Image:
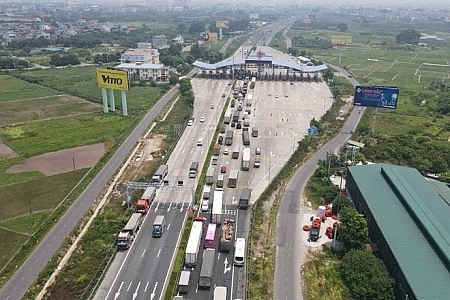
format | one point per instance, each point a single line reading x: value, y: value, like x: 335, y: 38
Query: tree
x: 353, y: 230
x: 339, y: 203
x: 409, y: 36
x: 366, y: 276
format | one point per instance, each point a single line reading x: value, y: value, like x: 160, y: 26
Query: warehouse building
x: 409, y: 226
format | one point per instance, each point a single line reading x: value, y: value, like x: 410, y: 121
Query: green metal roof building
x: 409, y: 226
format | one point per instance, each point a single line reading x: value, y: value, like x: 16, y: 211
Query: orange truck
x: 143, y: 203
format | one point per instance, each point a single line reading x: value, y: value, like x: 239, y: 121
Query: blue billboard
x: 376, y: 96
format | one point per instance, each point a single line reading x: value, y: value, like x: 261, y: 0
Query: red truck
x: 143, y: 203
x: 314, y: 233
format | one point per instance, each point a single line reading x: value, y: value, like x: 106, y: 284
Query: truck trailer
x: 245, y: 138
x: 244, y: 199
x: 128, y: 233
x: 229, y: 138
x: 216, y: 216
x: 206, y: 272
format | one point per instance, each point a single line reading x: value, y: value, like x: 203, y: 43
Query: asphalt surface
x: 25, y: 275
x: 292, y: 248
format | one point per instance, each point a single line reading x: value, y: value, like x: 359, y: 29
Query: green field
x: 14, y: 89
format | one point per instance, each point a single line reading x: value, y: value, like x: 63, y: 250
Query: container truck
x: 246, y: 159
x: 217, y: 206
x: 127, y: 234
x: 244, y: 199
x: 232, y: 179
x: 226, y: 235
x: 143, y: 204
x: 193, y: 244
x: 160, y: 174
x: 206, y: 272
x: 193, y: 169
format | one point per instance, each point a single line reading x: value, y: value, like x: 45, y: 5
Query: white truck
x: 217, y: 206
x: 227, y: 116
x: 193, y: 169
x: 246, y: 159
x: 210, y: 175
x: 193, y: 244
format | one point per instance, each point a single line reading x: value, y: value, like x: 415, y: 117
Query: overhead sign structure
x: 112, y: 79
x: 376, y: 96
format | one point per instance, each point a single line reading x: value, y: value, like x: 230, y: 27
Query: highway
x: 292, y: 248
x: 25, y: 275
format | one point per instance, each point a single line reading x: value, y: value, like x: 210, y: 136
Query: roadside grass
x: 35, y: 195
x: 25, y: 223
x: 10, y: 243
x: 84, y: 270
x: 322, y: 277
x: 12, y: 88
x: 25, y: 111
x: 52, y: 135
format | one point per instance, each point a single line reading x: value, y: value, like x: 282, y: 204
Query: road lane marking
x: 118, y: 291
x: 168, y: 226
x: 129, y: 286
x: 143, y: 253
x: 153, y: 293
x: 146, y: 286
x: 137, y: 289
x: 159, y: 252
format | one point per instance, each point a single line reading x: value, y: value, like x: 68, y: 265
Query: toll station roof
x: 260, y: 59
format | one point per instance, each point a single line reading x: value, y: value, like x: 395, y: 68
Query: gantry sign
x: 109, y: 80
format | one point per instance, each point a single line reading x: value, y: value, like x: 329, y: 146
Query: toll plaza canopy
x: 259, y: 60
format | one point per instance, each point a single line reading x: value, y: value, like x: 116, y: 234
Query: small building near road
x: 409, y: 226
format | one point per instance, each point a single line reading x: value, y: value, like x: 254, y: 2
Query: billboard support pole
x: 374, y: 120
x: 105, y: 100
x: 112, y: 104
x: 124, y: 103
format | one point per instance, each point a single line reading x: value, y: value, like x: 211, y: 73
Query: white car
x: 226, y: 151
x: 202, y: 119
x: 276, y: 96
x: 205, y: 205
x: 190, y: 122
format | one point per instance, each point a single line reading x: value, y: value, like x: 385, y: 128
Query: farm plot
x: 12, y: 88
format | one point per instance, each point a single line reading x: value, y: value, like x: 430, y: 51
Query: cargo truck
x: 236, y: 116
x: 183, y: 283
x: 227, y: 116
x: 246, y: 159
x: 193, y: 244
x: 158, y: 226
x: 254, y: 132
x: 220, y: 180
x: 314, y: 232
x: 229, y: 138
x: 249, y: 99
x: 143, y: 204
x: 206, y: 272
x: 246, y: 122
x: 193, y: 169
x: 245, y: 138
x: 226, y: 235
x: 127, y: 234
x: 160, y: 174
x: 210, y: 175
x: 216, y: 216
x: 220, y: 293
x: 235, y: 153
x: 232, y: 179
x: 244, y: 199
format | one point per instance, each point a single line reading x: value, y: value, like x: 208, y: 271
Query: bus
x: 239, y: 252
x: 210, y: 238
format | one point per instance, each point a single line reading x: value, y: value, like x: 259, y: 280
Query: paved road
x: 291, y: 249
x: 27, y: 273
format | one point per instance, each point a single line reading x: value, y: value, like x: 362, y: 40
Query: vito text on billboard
x: 112, y: 79
x: 376, y: 96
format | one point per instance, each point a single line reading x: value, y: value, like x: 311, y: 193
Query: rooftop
x: 414, y: 218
